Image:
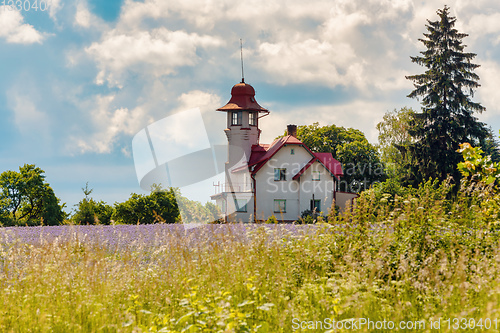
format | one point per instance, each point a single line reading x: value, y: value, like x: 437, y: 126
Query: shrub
x: 272, y: 219
x: 159, y: 206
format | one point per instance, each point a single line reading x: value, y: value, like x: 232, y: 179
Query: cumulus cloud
x: 207, y: 103
x: 83, y: 17
x: 356, y: 45
x: 14, y: 30
x: 157, y: 52
x: 348, y: 43
x: 109, y: 125
x: 487, y: 94
x: 361, y: 114
x: 353, y: 45
x: 54, y: 6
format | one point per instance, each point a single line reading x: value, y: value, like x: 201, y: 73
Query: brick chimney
x: 291, y: 130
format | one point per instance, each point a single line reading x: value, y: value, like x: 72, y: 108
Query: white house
x: 283, y: 178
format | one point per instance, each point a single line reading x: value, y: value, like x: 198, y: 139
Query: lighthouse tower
x: 243, y: 113
x: 236, y: 196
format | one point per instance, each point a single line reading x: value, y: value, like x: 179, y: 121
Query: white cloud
x: 363, y: 46
x: 109, y: 125
x: 487, y: 94
x: 353, y: 45
x: 484, y: 24
x: 157, y: 52
x: 54, y: 6
x: 28, y: 119
x: 14, y: 30
x: 207, y: 102
x: 362, y: 114
x: 311, y: 61
x: 133, y: 12
x: 346, y: 42
x: 83, y: 17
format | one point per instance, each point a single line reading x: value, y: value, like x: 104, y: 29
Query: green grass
x: 416, y: 258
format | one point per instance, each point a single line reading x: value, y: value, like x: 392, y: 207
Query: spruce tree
x: 447, y: 88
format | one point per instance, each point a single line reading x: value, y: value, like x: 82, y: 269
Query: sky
x: 78, y: 79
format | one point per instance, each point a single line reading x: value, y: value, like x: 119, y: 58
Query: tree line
x: 27, y: 199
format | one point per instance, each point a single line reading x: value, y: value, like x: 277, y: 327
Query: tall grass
x: 419, y: 257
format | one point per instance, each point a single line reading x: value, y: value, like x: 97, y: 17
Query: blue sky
x: 81, y: 78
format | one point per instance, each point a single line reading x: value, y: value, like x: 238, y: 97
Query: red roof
x: 257, y: 152
x: 327, y: 160
x: 261, y: 159
x: 242, y: 98
x: 261, y: 154
x: 330, y: 163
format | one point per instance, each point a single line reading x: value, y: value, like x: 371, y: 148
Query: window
x: 315, y: 175
x: 236, y: 118
x: 241, y: 205
x: 253, y: 119
x: 279, y: 205
x: 279, y: 174
x: 316, y: 205
x: 292, y: 151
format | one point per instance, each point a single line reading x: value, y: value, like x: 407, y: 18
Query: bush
x: 310, y: 216
x: 157, y: 207
x: 93, y: 212
x: 272, y: 220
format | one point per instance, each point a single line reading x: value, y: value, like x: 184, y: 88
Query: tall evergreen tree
x: 447, y: 88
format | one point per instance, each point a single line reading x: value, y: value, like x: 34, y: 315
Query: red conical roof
x: 242, y: 98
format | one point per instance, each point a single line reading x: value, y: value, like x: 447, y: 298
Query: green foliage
x: 480, y: 183
x: 26, y: 198
x: 90, y: 211
x: 215, y: 312
x: 447, y: 118
x: 93, y: 212
x: 491, y: 146
x: 158, y: 207
x: 393, y: 136
x: 476, y: 167
x: 388, y: 189
x: 401, y: 254
x: 360, y: 161
x: 272, y: 220
x: 408, y: 254
x: 194, y: 212
x: 310, y: 216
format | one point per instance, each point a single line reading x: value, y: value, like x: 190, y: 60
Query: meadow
x: 415, y: 258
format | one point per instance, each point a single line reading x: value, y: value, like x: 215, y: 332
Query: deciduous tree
x: 26, y: 197
x: 393, y: 135
x: 360, y: 160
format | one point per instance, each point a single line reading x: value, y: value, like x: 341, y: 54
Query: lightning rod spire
x: 242, y: 73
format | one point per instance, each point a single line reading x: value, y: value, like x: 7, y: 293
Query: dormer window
x: 236, y: 118
x: 253, y: 119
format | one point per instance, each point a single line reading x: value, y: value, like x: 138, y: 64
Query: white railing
x: 234, y: 187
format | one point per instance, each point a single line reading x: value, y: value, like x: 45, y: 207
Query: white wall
x: 345, y: 200
x: 322, y: 189
x: 268, y: 189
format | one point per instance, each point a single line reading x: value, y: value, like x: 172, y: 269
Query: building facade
x: 284, y: 178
